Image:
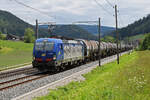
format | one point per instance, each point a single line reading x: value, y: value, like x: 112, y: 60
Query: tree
x: 29, y: 35
x: 2, y: 36
x: 146, y: 43
x: 108, y: 39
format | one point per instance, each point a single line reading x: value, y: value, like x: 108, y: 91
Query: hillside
x: 9, y: 23
x: 70, y: 31
x: 94, y: 29
x: 139, y: 27
x: 73, y: 31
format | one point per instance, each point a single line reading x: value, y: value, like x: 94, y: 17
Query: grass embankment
x: 137, y: 37
x: 14, y: 53
x: 128, y: 81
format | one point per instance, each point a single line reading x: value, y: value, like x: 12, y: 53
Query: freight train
x: 54, y: 54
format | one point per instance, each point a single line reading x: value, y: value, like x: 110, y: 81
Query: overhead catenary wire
x: 110, y: 3
x: 121, y: 21
x: 23, y: 4
x: 100, y: 5
x: 122, y: 24
x: 120, y: 15
x: 85, y: 22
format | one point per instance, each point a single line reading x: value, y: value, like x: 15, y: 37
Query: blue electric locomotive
x: 52, y: 54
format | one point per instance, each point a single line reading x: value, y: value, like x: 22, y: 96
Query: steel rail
x: 20, y: 83
x: 16, y: 72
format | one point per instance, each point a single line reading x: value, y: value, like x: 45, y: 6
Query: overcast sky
x: 68, y: 11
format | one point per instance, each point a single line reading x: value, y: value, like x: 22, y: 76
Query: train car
x: 87, y: 49
x: 94, y: 50
x: 73, y: 52
x: 50, y: 54
x: 122, y: 47
x: 90, y: 49
x: 55, y: 54
x: 110, y: 47
x: 104, y: 50
x: 114, y: 46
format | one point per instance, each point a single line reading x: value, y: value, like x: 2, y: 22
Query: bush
x: 29, y: 36
x: 0, y: 47
x: 146, y: 43
x: 2, y: 37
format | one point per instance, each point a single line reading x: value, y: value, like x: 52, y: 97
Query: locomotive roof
x: 49, y: 40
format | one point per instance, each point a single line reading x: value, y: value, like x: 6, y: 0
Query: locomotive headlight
x: 54, y: 57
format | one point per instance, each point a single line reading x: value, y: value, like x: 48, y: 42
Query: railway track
x: 22, y: 80
x: 17, y: 72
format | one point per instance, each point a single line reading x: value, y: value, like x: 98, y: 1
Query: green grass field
x: 14, y: 53
x: 128, y: 81
x: 137, y: 37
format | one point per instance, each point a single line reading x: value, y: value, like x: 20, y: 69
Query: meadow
x: 130, y: 80
x: 137, y: 37
x: 14, y: 53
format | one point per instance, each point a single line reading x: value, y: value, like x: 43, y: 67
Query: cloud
x: 68, y: 11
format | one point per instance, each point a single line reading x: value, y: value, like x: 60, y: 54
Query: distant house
x: 12, y: 37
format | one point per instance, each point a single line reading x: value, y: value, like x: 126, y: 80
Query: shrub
x: 29, y: 35
x: 146, y: 43
x: 2, y: 37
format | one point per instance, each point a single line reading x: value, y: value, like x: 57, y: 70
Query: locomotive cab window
x: 49, y: 46
x: 39, y: 46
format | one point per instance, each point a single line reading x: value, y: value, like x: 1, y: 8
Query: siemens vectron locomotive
x: 54, y: 54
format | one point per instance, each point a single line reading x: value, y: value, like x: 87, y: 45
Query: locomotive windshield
x: 41, y: 46
x: 49, y: 46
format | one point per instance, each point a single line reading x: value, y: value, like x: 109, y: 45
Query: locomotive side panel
x: 73, y: 50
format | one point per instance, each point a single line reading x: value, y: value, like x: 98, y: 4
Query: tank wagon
x: 54, y: 54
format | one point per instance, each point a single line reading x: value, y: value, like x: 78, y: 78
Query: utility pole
x: 117, y: 34
x: 99, y: 38
x: 120, y: 46
x: 49, y: 30
x: 36, y: 35
x: 51, y: 26
x: 128, y: 38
